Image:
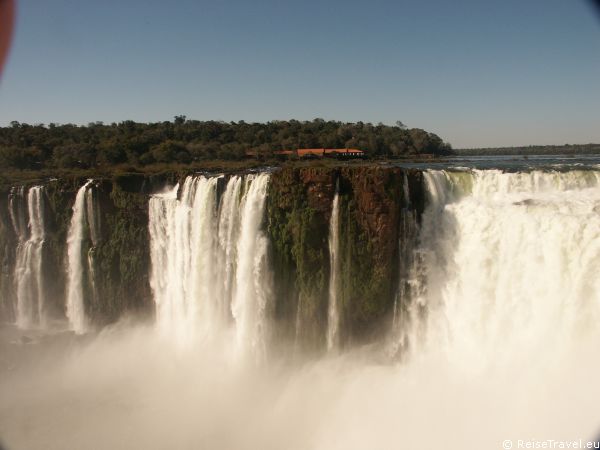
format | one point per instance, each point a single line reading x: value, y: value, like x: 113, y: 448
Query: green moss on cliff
x: 298, y: 208
x: 298, y: 214
x: 370, y: 199
x: 6, y: 263
x: 121, y: 258
x: 60, y: 196
x: 122, y: 255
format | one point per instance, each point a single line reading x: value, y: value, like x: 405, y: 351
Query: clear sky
x: 476, y: 72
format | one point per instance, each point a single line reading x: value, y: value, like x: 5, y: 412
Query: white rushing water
x: 333, y: 317
x: 92, y: 210
x: 228, y: 234
x: 409, y: 301
x: 253, y: 283
x: 512, y: 264
x: 77, y: 234
x: 17, y: 210
x: 182, y: 244
x: 27, y: 217
x: 496, y: 321
x: 209, y: 260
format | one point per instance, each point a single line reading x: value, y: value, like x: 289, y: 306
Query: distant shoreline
x: 567, y: 149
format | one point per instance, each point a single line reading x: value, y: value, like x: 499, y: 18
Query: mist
x: 493, y: 337
x: 127, y: 387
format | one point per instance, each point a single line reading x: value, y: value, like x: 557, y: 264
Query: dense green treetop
x: 183, y: 141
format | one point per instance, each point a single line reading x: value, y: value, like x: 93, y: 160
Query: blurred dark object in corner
x: 7, y: 17
x: 596, y: 4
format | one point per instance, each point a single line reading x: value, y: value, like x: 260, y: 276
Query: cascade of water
x: 76, y: 236
x: 28, y: 273
x: 209, y: 259
x: 512, y: 262
x: 204, y: 303
x: 92, y: 210
x: 183, y: 235
x: 406, y: 229
x: 17, y: 211
x: 229, y: 229
x: 333, y: 317
x: 253, y: 283
x: 408, y: 302
x: 161, y: 223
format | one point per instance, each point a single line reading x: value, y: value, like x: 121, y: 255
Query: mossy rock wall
x: 7, y: 257
x: 298, y: 212
x: 372, y: 203
x: 120, y: 259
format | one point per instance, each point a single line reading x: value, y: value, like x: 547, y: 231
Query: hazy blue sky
x: 476, y: 72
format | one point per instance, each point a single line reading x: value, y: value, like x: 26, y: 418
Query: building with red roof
x: 322, y: 152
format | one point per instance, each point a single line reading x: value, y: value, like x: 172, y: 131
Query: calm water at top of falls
x: 507, y: 162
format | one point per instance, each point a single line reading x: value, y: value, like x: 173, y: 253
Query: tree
x: 183, y: 141
x: 169, y: 151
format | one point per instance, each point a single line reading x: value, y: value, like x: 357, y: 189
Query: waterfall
x: 92, y: 210
x: 17, y: 210
x: 182, y: 236
x: 228, y: 233
x: 209, y: 260
x: 408, y: 302
x: 253, y: 283
x: 28, y: 222
x: 77, y: 235
x: 333, y: 318
x: 511, y: 264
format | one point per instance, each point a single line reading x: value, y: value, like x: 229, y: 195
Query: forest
x: 183, y: 141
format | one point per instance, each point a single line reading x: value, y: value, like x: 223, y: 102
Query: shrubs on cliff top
x: 34, y: 147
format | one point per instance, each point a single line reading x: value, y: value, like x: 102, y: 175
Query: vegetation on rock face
x: 39, y: 147
x: 59, y: 199
x: 371, y: 207
x: 298, y: 213
x: 370, y: 211
x: 122, y: 256
x: 298, y: 209
x: 6, y: 262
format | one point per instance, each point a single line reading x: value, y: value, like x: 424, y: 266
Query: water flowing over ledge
x: 27, y: 217
x: 315, y: 308
x: 75, y: 307
x: 209, y: 260
x: 319, y: 258
x: 333, y: 316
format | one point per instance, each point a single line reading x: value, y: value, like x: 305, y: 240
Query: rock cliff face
x: 7, y: 257
x: 120, y: 257
x: 298, y: 213
x: 372, y: 203
x: 299, y: 209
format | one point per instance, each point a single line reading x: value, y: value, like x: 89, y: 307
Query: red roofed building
x: 322, y: 152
